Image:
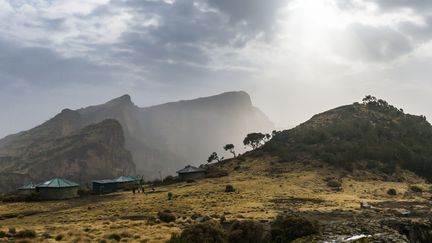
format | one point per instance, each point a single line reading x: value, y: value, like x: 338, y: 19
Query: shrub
x: 12, y: 230
x: 229, y: 188
x: 334, y: 183
x: 114, y: 236
x: 125, y: 235
x: 391, y: 192
x: 2, y: 234
x: 166, y: 216
x: 175, y: 238
x: 207, y: 232
x: 416, y: 189
x: 46, y: 235
x: 286, y: 228
x: 247, y: 231
x: 59, y: 237
x: 170, y: 195
x: 25, y: 234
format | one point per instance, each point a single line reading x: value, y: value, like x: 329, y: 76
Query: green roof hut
x: 126, y: 182
x: 57, y: 188
x: 27, y: 189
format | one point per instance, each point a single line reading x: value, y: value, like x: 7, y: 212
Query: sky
x: 295, y: 58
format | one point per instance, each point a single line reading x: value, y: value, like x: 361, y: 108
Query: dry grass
x: 259, y: 195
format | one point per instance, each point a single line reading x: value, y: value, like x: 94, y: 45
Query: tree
x: 254, y: 140
x: 230, y: 148
x: 268, y: 136
x: 368, y: 99
x: 214, y: 156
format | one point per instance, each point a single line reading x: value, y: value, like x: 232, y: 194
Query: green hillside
x: 372, y: 134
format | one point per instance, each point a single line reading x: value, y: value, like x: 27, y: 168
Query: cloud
x: 184, y: 48
x: 375, y: 44
x: 417, y: 5
x: 43, y: 68
x: 258, y: 16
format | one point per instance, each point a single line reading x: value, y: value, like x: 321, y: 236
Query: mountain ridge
x: 162, y: 137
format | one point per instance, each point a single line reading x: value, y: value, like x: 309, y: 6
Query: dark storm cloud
x: 165, y: 42
x: 176, y: 47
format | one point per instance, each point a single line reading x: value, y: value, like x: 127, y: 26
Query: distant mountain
x: 372, y: 135
x: 161, y: 138
x: 59, y: 148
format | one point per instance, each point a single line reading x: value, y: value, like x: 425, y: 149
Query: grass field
x: 263, y: 189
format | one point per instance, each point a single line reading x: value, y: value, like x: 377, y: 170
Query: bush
x: 416, y: 189
x: 166, y: 216
x: 391, y: 192
x: 286, y: 228
x: 170, y: 195
x: 115, y: 237
x: 125, y: 235
x: 334, y: 183
x: 12, y: 230
x: 2, y: 234
x: 59, y: 237
x: 229, y: 188
x: 207, y: 232
x: 247, y: 231
x: 25, y: 234
x: 46, y: 235
x: 175, y: 238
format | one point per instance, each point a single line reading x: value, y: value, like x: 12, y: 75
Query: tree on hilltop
x: 214, y: 156
x: 256, y: 140
x: 230, y: 148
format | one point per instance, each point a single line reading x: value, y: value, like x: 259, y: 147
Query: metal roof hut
x: 27, y: 189
x: 104, y: 186
x: 191, y: 173
x: 126, y: 182
x: 57, y: 188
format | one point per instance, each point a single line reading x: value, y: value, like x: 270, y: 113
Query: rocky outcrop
x: 94, y: 152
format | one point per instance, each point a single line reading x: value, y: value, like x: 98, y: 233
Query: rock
x: 202, y: 219
x: 364, y: 205
x: 405, y: 212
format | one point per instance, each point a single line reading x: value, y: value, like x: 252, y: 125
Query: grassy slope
x: 261, y: 195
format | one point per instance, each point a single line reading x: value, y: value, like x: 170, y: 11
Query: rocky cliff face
x: 59, y: 149
x: 161, y: 138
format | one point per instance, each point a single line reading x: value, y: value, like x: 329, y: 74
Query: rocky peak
x: 122, y: 100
